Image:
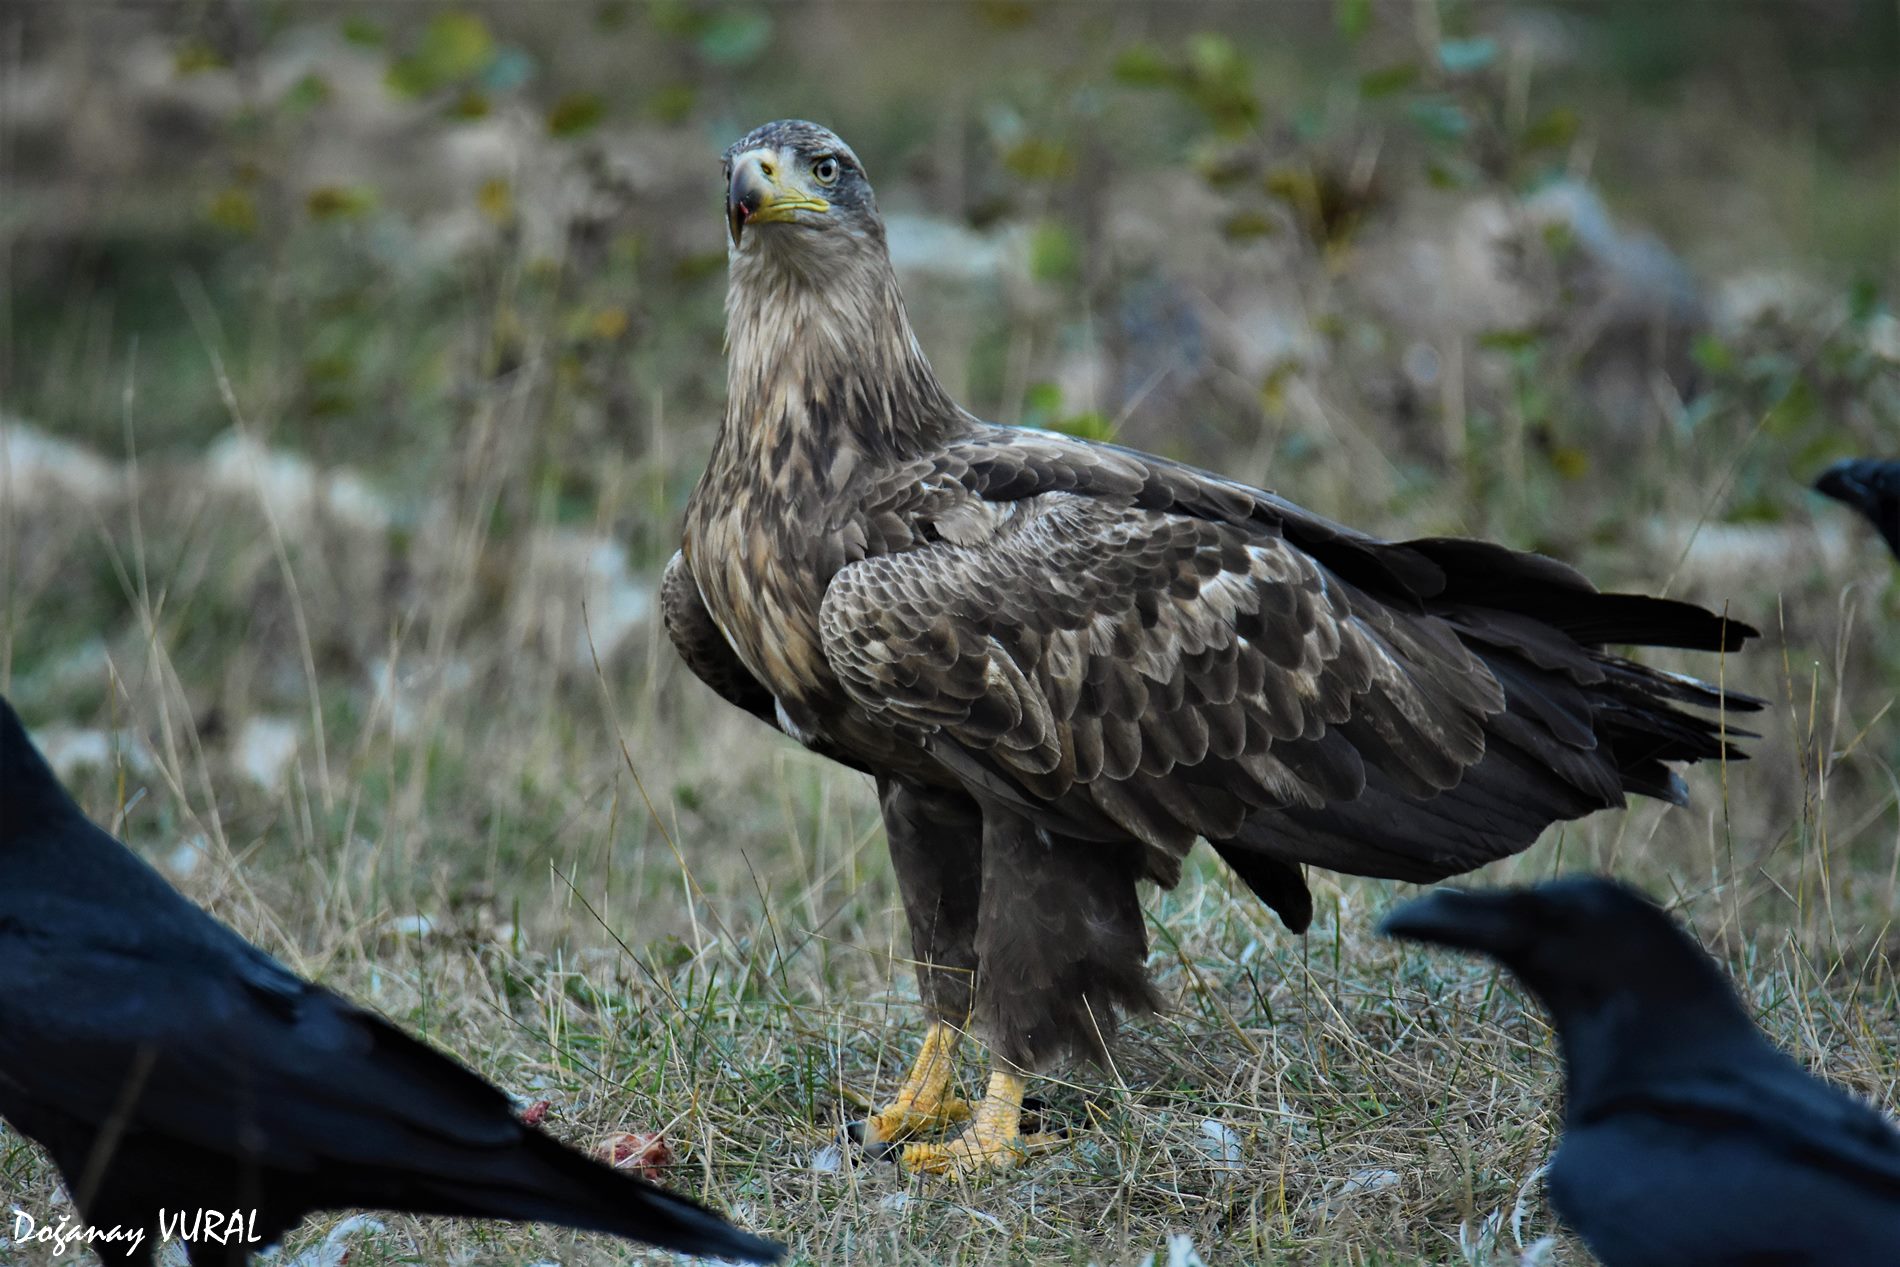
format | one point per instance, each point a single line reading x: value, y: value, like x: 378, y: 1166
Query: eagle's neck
x: 826, y: 389
x: 823, y: 370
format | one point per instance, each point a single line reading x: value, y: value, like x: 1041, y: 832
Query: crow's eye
x: 825, y: 170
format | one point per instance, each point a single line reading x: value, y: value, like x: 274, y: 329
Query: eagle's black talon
x: 857, y: 1148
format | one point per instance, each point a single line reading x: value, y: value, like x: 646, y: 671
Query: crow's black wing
x: 1799, y: 1116
x: 1731, y: 1175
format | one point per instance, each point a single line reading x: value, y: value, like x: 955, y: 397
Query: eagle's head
x: 814, y: 314
x: 798, y: 191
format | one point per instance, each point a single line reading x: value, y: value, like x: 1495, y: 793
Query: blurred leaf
x: 1863, y: 300
x: 338, y: 202
x: 1034, y: 158
x: 194, y: 56
x: 1440, y: 119
x: 1007, y: 15
x: 1296, y: 187
x: 676, y: 17
x: 673, y: 104
x: 330, y: 404
x: 1216, y: 80
x: 1462, y: 57
x: 1552, y: 130
x: 496, y: 198
x: 1214, y: 57
x: 1273, y: 387
x: 1515, y: 341
x: 613, y: 14
x: 1353, y: 17
x: 1054, y: 254
x: 363, y: 32
x: 609, y: 323
x: 329, y: 369
x: 306, y: 94
x: 736, y: 36
x: 1389, y: 80
x: 233, y: 209
x: 1559, y: 238
x: 1244, y: 226
x: 470, y: 105
x: 1794, y: 411
x: 1085, y: 426
x: 1223, y: 167
x: 1143, y: 66
x: 576, y: 113
x: 1221, y: 84
x: 1712, y: 354
x: 1570, y: 461
x: 454, y: 46
x: 697, y: 267
x: 1042, y: 400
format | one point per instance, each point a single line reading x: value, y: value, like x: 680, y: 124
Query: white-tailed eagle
x: 1066, y: 662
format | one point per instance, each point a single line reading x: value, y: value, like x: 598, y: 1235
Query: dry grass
x: 511, y: 822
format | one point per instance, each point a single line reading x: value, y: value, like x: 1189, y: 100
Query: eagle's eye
x: 825, y: 170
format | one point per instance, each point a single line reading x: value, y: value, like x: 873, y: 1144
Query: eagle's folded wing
x: 707, y: 653
x: 1171, y: 673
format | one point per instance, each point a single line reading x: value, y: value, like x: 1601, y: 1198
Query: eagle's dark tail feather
x: 1582, y: 728
x: 1486, y: 576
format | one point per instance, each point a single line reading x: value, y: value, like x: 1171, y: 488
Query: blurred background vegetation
x: 1605, y: 279
x: 356, y: 359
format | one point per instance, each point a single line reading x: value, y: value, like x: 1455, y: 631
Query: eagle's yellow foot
x: 924, y: 1102
x: 899, y: 1120
x: 992, y: 1141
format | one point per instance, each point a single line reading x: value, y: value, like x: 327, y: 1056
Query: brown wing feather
x: 1176, y: 672
x: 1112, y: 643
x: 707, y: 653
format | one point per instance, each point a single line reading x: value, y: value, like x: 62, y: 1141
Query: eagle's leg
x: 993, y: 1140
x: 1063, y: 950
x: 936, y: 849
x: 926, y: 1100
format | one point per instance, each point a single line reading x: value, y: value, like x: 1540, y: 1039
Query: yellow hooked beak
x: 761, y: 192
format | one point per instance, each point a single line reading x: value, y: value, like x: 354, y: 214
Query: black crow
x: 1689, y: 1139
x: 167, y: 1064
x: 1870, y: 486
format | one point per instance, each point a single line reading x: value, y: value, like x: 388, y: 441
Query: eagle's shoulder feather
x: 1090, y: 623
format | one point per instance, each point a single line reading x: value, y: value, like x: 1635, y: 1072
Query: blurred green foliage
x: 351, y: 336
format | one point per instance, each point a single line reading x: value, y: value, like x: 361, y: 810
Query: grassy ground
x: 386, y: 369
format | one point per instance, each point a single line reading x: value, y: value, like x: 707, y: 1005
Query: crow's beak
x: 761, y: 191
x: 1495, y: 923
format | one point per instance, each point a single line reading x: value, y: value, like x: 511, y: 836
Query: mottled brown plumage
x: 1065, y: 662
